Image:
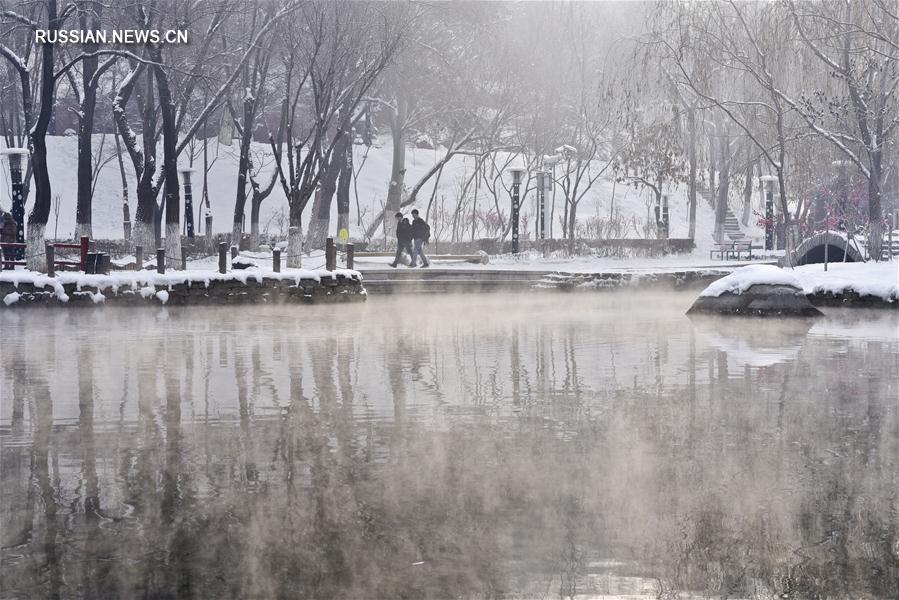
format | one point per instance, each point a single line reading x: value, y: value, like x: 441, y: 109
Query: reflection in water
x: 493, y: 446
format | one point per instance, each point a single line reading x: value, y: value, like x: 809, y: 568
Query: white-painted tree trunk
x: 173, y: 245
x: 789, y: 248
x: 144, y: 236
x: 35, y: 251
x: 294, y: 248
x: 236, y: 233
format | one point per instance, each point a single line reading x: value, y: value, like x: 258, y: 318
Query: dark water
x: 537, y: 446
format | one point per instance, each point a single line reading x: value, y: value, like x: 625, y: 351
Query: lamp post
x: 550, y: 161
x: 188, y: 200
x: 516, y: 185
x: 768, y: 181
x: 544, y: 185
x: 662, y: 216
x: 538, y: 222
x: 564, y: 152
x: 16, y: 160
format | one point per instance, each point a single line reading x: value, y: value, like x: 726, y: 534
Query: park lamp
x: 517, y: 172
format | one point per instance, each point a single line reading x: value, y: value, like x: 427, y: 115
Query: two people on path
x: 411, y: 239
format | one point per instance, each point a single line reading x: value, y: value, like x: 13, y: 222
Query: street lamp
x: 563, y: 152
x: 516, y: 185
x: 16, y: 160
x: 188, y: 200
x: 662, y: 219
x: 768, y: 181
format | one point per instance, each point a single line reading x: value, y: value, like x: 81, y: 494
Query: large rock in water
x: 758, y: 290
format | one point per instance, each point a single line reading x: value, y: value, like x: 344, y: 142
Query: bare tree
x: 342, y: 56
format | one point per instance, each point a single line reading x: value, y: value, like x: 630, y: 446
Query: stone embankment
x: 182, y: 288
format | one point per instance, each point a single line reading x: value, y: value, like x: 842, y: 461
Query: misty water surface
x: 534, y: 446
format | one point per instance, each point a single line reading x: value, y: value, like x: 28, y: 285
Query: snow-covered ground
x: 367, y: 196
x: 880, y: 280
x: 533, y: 261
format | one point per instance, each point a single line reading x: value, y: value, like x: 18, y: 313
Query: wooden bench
x: 732, y: 250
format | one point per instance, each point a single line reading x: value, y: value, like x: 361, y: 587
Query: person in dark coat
x: 403, y: 239
x: 7, y: 234
x: 421, y: 235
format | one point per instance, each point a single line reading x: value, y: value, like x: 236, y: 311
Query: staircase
x: 731, y: 224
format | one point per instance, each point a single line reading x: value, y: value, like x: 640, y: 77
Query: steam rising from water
x: 474, y: 446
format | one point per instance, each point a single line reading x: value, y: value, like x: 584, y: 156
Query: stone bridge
x: 811, y: 251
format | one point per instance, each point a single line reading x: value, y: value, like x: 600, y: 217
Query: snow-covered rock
x: 759, y: 290
x: 744, y: 278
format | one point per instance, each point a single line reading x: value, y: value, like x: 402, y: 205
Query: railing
x: 12, y: 245
x: 83, y: 247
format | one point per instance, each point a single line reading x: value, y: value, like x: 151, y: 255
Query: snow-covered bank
x: 30, y: 287
x: 866, y: 280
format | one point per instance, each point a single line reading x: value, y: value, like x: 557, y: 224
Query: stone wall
x: 342, y: 286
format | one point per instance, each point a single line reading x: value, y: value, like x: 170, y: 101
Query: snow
x: 533, y: 261
x: 11, y: 298
x: 162, y: 296
x: 147, y: 282
x: 879, y: 280
x: 745, y: 277
x: 629, y: 206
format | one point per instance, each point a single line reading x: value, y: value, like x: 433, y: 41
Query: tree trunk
x: 320, y: 220
x: 398, y: 168
x: 240, y: 199
x: 875, y: 216
x: 790, y: 242
x: 146, y: 231
x: 85, y: 138
x: 40, y: 212
x: 691, y: 233
x: 170, y: 170
x: 243, y: 167
x: 572, y: 229
x: 343, y: 195
x: 255, y: 204
x: 723, y: 189
x: 747, y: 189
x: 712, y: 167
x: 295, y: 235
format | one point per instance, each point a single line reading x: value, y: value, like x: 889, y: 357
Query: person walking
x: 403, y: 239
x: 421, y: 235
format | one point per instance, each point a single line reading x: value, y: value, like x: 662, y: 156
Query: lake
x: 542, y: 445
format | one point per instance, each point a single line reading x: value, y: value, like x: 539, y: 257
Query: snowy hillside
x: 604, y: 199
